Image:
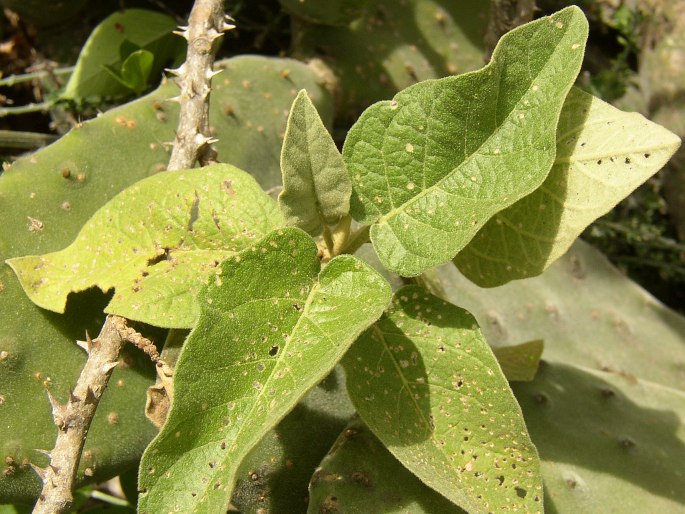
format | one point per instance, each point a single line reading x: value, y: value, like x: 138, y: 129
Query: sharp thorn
x: 90, y: 396
x: 84, y: 345
x: 176, y: 71
x: 39, y: 471
x: 213, y: 73
x: 43, y: 452
x: 73, y: 398
x: 109, y: 366
x: 54, y: 469
x: 58, y: 410
x: 213, y: 34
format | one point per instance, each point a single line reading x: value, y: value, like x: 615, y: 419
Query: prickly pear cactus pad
x: 273, y: 325
x: 156, y: 243
x: 394, y: 46
x: 603, y: 154
x: 609, y: 442
x: 44, y: 200
x: 587, y: 312
x: 418, y: 379
x: 329, y: 12
x: 430, y: 167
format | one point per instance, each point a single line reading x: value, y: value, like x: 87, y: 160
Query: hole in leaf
x: 521, y: 492
x: 157, y: 259
x: 274, y: 350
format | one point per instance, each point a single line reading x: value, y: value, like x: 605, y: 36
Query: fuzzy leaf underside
x: 134, y: 28
x: 272, y: 326
x: 432, y: 166
x: 316, y: 186
x: 155, y: 243
x: 603, y: 154
x: 427, y: 384
x: 520, y: 362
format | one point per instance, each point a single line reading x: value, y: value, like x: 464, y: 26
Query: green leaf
x: 135, y: 71
x: 520, y: 362
x: 148, y: 30
x: 316, y: 186
x: 432, y: 166
x: 272, y: 327
x: 62, y: 186
x: 155, y: 243
x: 603, y: 154
x: 360, y: 475
x: 275, y: 475
x: 427, y: 384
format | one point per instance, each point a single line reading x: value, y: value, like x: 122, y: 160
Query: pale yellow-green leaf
x: 603, y: 154
x: 155, y: 243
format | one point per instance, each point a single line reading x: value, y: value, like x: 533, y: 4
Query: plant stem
x: 328, y: 239
x: 25, y: 109
x: 25, y: 140
x: 28, y: 77
x: 73, y: 418
x: 206, y: 25
x: 356, y: 240
x: 341, y: 234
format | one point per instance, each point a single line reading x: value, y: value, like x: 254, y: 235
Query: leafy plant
x: 496, y: 171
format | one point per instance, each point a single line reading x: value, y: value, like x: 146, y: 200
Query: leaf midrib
x: 397, y: 210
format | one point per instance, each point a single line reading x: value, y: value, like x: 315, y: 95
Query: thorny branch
x: 206, y: 24
x: 73, y: 418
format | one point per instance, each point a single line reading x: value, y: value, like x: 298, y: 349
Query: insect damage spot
x: 165, y: 255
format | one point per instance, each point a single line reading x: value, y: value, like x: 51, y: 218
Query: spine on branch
x: 74, y: 417
x: 206, y: 25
